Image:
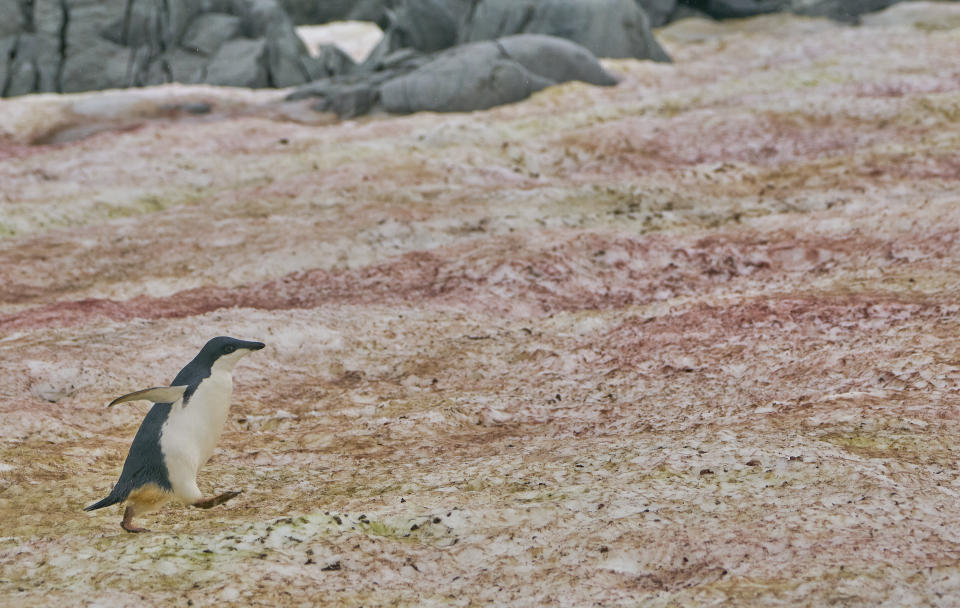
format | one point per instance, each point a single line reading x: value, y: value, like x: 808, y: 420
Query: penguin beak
x: 253, y: 345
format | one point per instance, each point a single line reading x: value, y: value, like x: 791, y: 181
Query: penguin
x: 178, y: 434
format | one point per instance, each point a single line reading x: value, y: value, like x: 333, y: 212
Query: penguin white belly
x: 191, y: 432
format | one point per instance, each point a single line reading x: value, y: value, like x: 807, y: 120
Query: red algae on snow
x: 688, y: 340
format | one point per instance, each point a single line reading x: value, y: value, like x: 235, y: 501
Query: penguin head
x: 223, y: 352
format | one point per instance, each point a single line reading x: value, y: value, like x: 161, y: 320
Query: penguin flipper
x: 157, y: 394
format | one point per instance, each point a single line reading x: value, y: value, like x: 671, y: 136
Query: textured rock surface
x: 82, y: 45
x: 481, y: 75
x: 658, y: 12
x: 472, y: 76
x: 607, y: 28
x: 691, y: 340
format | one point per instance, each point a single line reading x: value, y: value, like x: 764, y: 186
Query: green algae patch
x: 916, y: 448
x: 88, y: 208
x: 144, y: 204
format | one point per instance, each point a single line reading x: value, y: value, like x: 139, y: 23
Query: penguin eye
x: 229, y: 348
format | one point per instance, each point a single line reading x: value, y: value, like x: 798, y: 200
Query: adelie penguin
x: 179, y: 433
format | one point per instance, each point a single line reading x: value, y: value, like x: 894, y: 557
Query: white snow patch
x: 355, y: 38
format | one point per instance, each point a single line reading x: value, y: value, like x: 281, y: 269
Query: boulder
x: 470, y: 77
x: 473, y: 76
x: 481, y: 75
x: 555, y: 59
x: 81, y: 45
x: 207, y: 33
x: 239, y: 63
x: 358, y: 93
x: 422, y: 25
x: 607, y: 28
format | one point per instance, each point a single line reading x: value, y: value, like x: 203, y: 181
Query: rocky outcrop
x: 80, y: 45
x: 608, y: 28
x: 407, y: 72
x: 658, y: 12
x: 472, y: 76
x: 841, y: 10
x: 424, y: 26
x: 481, y: 75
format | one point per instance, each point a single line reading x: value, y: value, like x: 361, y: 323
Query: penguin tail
x: 106, y: 502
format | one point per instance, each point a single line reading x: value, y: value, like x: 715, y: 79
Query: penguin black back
x: 144, y: 463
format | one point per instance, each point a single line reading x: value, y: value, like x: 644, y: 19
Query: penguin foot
x: 208, y: 503
x: 127, y: 519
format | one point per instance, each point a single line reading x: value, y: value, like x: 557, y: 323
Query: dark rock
x: 469, y: 77
x: 842, y: 10
x: 735, y: 9
x: 422, y: 25
x: 401, y: 59
x: 349, y: 101
x: 306, y: 12
x: 207, y: 33
x: 7, y: 44
x: 12, y: 22
x: 607, y: 28
x: 239, y: 63
x: 481, y: 75
x: 101, y: 64
x: 556, y: 59
x: 332, y: 60
x: 80, y: 45
x: 658, y: 12
x: 49, y: 22
x: 186, y: 66
x: 26, y: 49
x: 357, y: 94
x: 685, y: 12
x: 23, y: 74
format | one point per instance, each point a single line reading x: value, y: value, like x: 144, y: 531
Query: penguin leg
x: 219, y: 499
x: 127, y: 523
x: 144, y: 499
